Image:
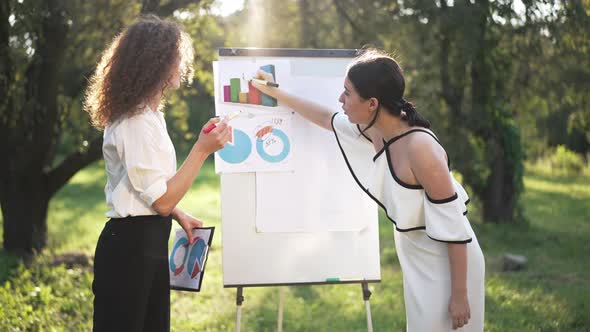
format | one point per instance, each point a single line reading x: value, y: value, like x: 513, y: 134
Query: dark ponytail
x: 375, y: 74
x: 412, y: 116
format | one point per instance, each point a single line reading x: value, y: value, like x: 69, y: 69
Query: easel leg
x: 280, y: 319
x: 239, y: 300
x: 366, y: 297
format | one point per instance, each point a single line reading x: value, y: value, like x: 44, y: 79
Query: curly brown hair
x: 135, y: 67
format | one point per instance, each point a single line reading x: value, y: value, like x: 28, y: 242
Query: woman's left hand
x: 188, y: 223
x: 459, y: 310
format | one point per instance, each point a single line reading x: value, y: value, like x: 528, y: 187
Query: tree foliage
x: 49, y: 50
x: 501, y: 81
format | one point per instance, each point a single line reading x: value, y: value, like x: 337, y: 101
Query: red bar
x: 254, y: 94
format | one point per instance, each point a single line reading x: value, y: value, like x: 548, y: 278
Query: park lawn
x: 549, y: 295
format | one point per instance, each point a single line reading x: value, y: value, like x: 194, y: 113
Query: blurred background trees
x: 501, y: 81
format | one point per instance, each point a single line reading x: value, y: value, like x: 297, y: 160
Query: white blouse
x: 139, y: 160
x: 407, y: 206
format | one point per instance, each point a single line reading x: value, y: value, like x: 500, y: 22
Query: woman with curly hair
x: 125, y: 97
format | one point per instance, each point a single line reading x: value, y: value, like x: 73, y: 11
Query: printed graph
x: 240, y: 90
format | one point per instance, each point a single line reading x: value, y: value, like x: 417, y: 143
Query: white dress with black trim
x: 424, y: 227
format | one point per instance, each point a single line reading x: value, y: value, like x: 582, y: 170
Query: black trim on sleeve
x: 332, y: 120
x: 457, y: 242
x: 363, y: 134
x: 409, y: 229
x: 352, y: 172
x: 381, y: 205
x: 466, y: 209
x: 444, y: 200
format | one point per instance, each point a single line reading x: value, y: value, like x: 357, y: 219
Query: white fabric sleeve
x: 461, y: 192
x: 138, y: 146
x: 445, y: 220
x: 344, y: 128
x: 357, y: 149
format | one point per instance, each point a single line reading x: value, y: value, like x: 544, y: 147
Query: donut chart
x: 238, y: 151
x: 196, y: 258
x: 277, y: 157
x: 181, y: 244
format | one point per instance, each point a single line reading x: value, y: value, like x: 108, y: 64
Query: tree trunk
x: 24, y: 201
x: 500, y: 193
x: 25, y: 192
x: 6, y: 63
x: 308, y: 37
x: 358, y: 33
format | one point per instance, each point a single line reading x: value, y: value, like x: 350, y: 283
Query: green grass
x: 551, y: 294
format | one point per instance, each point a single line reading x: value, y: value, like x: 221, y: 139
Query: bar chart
x: 239, y: 90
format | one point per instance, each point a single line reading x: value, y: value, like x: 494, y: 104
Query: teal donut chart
x: 239, y: 151
x: 196, y: 258
x: 182, y: 243
x: 279, y: 157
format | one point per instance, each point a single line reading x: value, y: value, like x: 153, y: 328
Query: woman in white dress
x: 131, y: 281
x: 397, y: 160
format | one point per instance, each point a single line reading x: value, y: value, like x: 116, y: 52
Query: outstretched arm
x: 318, y: 114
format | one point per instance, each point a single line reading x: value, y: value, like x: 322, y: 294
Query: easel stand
x: 366, y: 297
x: 240, y: 300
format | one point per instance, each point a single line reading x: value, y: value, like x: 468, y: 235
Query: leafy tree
x: 454, y: 60
x: 552, y: 76
x: 484, y: 72
x: 48, y: 48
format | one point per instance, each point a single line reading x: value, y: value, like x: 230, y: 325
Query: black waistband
x: 152, y: 218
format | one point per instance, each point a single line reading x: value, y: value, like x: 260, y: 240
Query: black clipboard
x: 186, y: 263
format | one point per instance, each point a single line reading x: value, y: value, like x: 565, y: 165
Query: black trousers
x: 131, y: 282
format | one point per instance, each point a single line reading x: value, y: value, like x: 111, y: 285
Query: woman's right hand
x: 215, y: 139
x: 459, y: 309
x: 262, y: 75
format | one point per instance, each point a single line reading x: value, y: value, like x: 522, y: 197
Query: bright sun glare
x: 227, y: 7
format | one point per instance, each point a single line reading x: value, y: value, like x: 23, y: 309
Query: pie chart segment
x: 238, y: 151
x: 274, y: 158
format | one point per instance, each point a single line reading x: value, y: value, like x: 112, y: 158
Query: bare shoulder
x: 428, y: 162
x: 422, y: 147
